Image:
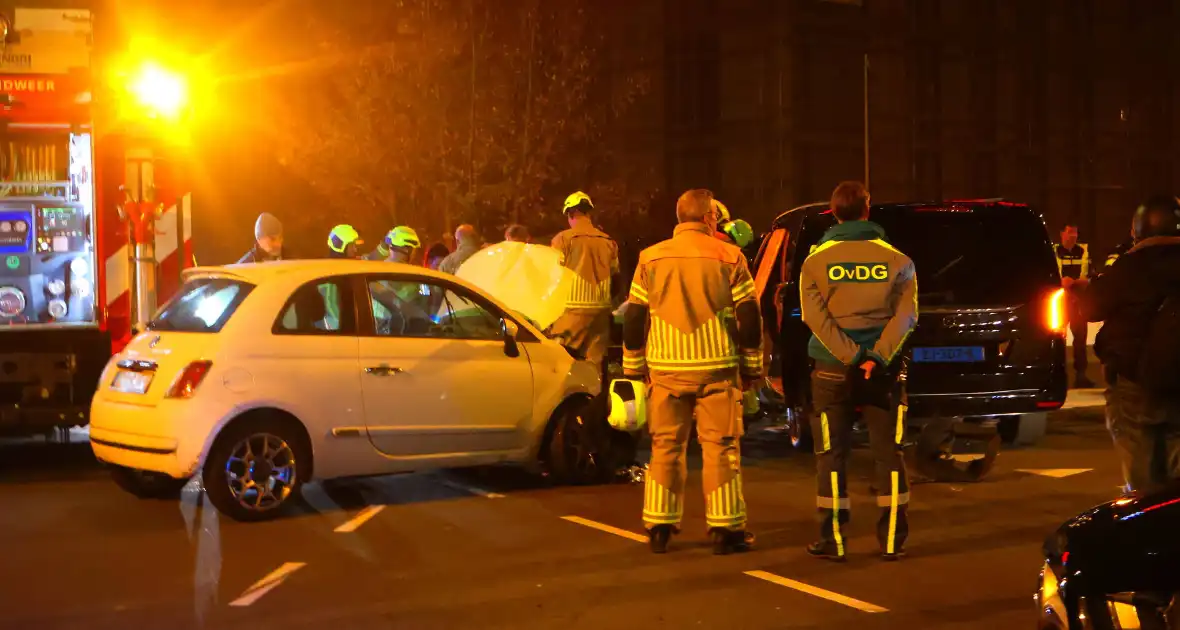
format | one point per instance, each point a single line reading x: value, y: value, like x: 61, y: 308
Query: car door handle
x: 383, y: 370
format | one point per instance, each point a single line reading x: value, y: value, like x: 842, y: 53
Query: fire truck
x: 95, y: 223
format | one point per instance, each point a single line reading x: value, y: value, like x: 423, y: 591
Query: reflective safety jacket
x: 1073, y: 263
x: 692, y: 308
x: 594, y: 258
x: 859, y: 295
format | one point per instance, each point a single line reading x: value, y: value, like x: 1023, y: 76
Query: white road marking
x: 1056, y: 473
x: 606, y: 528
x: 469, y: 489
x: 818, y: 592
x: 359, y: 519
x: 267, y: 584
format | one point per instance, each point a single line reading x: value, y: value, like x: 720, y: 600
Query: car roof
x: 819, y: 207
x: 298, y: 270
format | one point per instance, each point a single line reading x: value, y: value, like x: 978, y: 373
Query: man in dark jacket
x: 1128, y: 298
x: 268, y: 240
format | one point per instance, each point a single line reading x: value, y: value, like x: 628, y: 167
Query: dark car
x: 990, y: 340
x: 1114, y: 566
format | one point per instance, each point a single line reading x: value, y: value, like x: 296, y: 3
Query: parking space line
x: 603, y: 527
x: 455, y: 485
x: 267, y: 584
x: 360, y: 519
x: 816, y: 591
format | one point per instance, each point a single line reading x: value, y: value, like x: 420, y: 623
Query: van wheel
x: 1025, y: 429
x: 580, y: 450
x: 146, y: 484
x: 799, y: 429
x: 256, y: 468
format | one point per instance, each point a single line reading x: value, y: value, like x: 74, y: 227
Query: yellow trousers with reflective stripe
x: 714, y: 400
x: 586, y: 332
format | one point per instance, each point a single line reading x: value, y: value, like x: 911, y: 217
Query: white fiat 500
x: 263, y: 377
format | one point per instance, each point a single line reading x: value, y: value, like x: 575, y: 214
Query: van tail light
x: 190, y: 379
x: 1055, y: 318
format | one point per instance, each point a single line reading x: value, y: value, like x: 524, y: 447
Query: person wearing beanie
x: 268, y: 240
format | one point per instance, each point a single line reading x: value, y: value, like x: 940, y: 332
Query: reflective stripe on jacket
x: 1073, y: 263
x: 594, y: 258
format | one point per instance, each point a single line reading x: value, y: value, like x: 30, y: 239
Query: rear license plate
x: 132, y: 382
x: 949, y: 354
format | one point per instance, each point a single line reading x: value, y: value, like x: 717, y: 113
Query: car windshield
x: 967, y: 257
x: 203, y: 305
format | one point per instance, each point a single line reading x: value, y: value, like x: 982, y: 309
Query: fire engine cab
x: 94, y: 231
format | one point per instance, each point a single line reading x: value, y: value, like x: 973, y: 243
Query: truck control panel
x: 47, y: 256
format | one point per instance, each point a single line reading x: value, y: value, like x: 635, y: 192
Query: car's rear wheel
x: 1025, y: 429
x: 256, y: 468
x: 799, y: 428
x: 580, y: 449
x: 146, y: 484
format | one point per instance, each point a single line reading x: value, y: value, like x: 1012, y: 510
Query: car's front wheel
x: 146, y: 484
x: 581, y: 449
x: 256, y: 468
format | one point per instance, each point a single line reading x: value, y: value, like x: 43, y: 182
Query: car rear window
x: 203, y: 305
x: 996, y: 255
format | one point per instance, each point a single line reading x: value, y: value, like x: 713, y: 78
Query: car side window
x: 317, y: 308
x: 812, y: 231
x: 405, y: 308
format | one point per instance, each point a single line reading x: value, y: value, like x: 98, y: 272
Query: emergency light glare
x: 1055, y: 313
x: 162, y: 92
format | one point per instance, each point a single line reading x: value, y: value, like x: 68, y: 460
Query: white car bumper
x: 141, y: 437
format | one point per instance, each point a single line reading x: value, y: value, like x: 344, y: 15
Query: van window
x: 989, y: 256
x: 203, y: 305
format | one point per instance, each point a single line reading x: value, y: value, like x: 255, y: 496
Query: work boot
x: 658, y: 537
x: 898, y: 554
x: 727, y: 541
x: 1081, y: 382
x: 826, y: 550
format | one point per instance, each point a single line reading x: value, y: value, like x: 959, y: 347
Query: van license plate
x: 949, y: 354
x: 132, y: 382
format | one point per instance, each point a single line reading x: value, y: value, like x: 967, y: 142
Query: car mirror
x: 510, y: 330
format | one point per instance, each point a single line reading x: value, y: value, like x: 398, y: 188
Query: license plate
x: 949, y: 354
x: 132, y: 382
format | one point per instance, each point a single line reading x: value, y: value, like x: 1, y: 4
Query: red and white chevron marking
x: 118, y: 266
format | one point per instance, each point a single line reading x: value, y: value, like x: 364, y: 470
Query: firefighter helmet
x: 628, y: 405
x: 740, y: 231
x: 721, y: 211
x: 578, y: 201
x: 1158, y: 216
x: 402, y: 236
x: 341, y: 237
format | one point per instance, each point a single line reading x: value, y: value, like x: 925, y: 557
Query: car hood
x: 529, y: 279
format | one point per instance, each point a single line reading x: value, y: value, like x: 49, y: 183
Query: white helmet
x: 628, y: 405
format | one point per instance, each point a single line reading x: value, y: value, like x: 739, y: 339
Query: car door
x: 438, y: 380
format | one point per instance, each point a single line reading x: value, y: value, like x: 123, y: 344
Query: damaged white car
x: 264, y: 377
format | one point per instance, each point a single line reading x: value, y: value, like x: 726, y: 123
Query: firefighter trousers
x: 837, y: 392
x: 585, y: 332
x: 715, y: 401
x: 1146, y: 436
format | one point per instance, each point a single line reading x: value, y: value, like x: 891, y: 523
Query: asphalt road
x: 500, y: 549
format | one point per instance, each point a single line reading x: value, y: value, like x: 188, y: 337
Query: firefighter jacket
x: 594, y: 258
x: 859, y: 296
x: 693, y: 308
x: 1073, y: 262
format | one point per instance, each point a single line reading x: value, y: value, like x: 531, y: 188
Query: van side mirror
x: 510, y: 331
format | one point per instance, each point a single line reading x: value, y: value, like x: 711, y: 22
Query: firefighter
x: 1138, y: 301
x: 343, y: 242
x: 398, y: 246
x: 859, y: 297
x: 268, y: 240
x: 1073, y: 261
x: 693, y: 328
x: 593, y: 257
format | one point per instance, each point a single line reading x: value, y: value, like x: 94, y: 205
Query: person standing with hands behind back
x: 860, y: 298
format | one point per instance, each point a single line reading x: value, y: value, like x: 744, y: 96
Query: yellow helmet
x: 721, y: 210
x: 628, y: 405
x: 575, y: 200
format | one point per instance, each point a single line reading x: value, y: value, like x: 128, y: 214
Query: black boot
x: 658, y: 537
x: 826, y: 550
x: 727, y: 541
x: 1081, y: 382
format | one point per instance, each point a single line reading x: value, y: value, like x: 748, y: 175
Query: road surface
x: 501, y: 549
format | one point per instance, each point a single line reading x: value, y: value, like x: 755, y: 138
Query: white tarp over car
x: 528, y: 278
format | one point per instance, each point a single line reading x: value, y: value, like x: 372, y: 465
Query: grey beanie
x: 267, y: 225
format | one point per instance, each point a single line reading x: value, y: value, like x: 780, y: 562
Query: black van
x: 990, y: 341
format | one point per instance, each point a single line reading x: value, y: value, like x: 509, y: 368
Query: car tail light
x: 1055, y: 311
x: 190, y: 379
